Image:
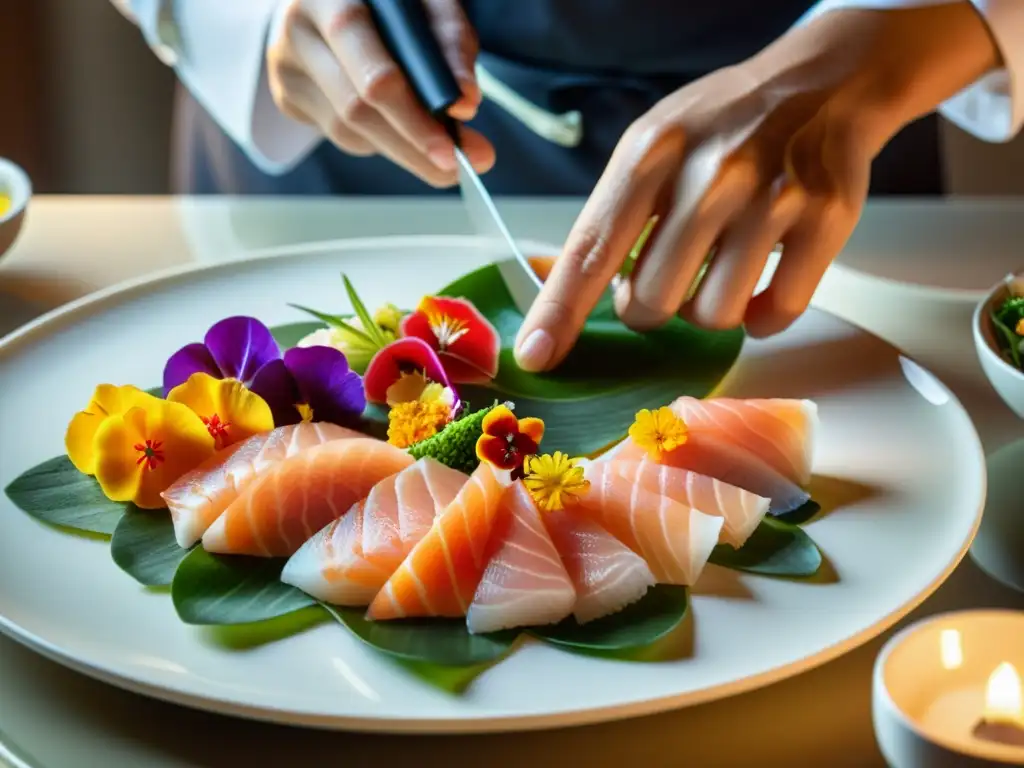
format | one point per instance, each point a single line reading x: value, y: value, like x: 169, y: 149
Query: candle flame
x: 1003, y: 695
x: 950, y: 649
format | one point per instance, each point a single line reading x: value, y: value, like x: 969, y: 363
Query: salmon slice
x: 741, y: 511
x: 200, y: 496
x: 332, y: 567
x: 676, y: 540
x: 441, y: 573
x: 780, y: 432
x: 606, y: 574
x: 525, y: 584
x: 297, y: 497
x: 722, y: 460
x: 401, y: 509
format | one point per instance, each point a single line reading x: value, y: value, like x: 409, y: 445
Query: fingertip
x: 478, y: 149
x: 535, y: 350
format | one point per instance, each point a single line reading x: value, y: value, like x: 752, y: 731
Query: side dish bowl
x: 15, y: 187
x: 1006, y: 378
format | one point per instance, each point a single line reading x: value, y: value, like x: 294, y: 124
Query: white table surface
x: 54, y: 718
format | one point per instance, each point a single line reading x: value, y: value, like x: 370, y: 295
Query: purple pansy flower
x: 311, y: 384
x: 234, y: 348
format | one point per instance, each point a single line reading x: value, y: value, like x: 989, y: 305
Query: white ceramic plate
x: 903, y: 456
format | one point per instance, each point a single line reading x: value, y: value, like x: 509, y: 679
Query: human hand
x: 330, y: 69
x: 775, y: 150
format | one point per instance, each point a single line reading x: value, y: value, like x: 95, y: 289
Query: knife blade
x: 405, y: 30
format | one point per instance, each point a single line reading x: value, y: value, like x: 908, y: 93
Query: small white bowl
x: 15, y: 184
x: 1007, y: 380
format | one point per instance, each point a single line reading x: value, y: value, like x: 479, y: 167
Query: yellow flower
x: 658, y: 432
x: 1020, y: 327
x: 553, y: 479
x: 141, y: 452
x: 107, y: 400
x: 388, y: 318
x: 416, y: 420
x: 230, y: 411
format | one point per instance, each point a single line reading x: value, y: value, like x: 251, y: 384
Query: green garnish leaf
x: 774, y: 549
x: 144, y: 547
x: 1010, y: 340
x: 334, y: 321
x: 365, y: 317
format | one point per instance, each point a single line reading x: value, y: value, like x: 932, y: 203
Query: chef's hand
x: 775, y: 150
x: 330, y: 69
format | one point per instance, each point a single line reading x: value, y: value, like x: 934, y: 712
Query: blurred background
x: 85, y: 107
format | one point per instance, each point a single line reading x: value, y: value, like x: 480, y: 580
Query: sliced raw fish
x: 441, y: 573
x: 297, y: 497
x: 676, y: 540
x: 331, y: 565
x: 606, y: 574
x: 525, y: 583
x: 741, y: 510
x: 200, y: 496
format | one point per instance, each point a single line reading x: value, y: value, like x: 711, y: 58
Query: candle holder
x: 947, y: 692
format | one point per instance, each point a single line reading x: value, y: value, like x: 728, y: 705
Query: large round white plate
x: 897, y: 452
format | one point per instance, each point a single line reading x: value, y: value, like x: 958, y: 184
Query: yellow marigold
x: 553, y: 479
x: 416, y: 420
x: 658, y: 432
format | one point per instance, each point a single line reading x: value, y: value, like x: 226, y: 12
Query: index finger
x: 611, y: 222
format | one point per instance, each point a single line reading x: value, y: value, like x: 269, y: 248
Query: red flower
x: 466, y: 342
x: 507, y: 441
x: 409, y: 357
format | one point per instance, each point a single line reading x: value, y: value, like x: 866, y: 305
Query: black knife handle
x: 405, y: 30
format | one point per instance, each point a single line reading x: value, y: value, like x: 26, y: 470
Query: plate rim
x: 463, y: 724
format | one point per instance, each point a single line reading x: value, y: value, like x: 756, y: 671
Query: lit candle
x: 947, y: 692
x: 5, y: 204
x: 1002, y: 720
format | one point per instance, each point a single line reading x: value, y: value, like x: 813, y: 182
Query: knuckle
x: 584, y: 255
x: 350, y: 14
x: 354, y: 111
x: 381, y: 85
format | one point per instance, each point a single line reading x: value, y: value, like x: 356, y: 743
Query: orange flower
x: 507, y: 441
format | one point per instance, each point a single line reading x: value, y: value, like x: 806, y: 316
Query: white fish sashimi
x: 525, y: 583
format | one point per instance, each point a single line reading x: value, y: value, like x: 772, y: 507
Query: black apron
x: 611, y: 60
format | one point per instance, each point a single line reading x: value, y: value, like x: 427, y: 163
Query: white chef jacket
x: 218, y: 50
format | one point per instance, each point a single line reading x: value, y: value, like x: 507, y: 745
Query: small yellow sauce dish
x: 15, y: 192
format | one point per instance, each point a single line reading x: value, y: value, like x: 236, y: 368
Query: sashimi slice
x: 606, y: 574
x: 741, y: 510
x: 525, y: 583
x: 200, y: 496
x: 708, y: 455
x: 401, y: 509
x: 780, y: 432
x: 676, y: 540
x: 332, y: 567
x: 297, y: 497
x: 441, y: 573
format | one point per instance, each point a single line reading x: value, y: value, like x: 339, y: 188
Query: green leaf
x: 641, y: 624
x: 144, y: 546
x: 58, y: 494
x: 156, y: 392
x: 442, y: 642
x: 232, y: 589
x: 612, y: 372
x: 774, y: 549
x: 339, y: 323
x: 288, y: 336
x: 364, y: 316
x: 1011, y: 342
x: 801, y: 514
x: 638, y: 247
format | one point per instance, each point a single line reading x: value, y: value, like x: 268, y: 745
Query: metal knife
x: 405, y: 30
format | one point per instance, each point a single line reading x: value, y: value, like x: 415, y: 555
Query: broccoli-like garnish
x: 455, y: 445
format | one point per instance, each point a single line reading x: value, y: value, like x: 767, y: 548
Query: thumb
x: 460, y: 46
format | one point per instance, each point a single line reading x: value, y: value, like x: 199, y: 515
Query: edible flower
x: 658, y: 432
x: 418, y: 420
x: 141, y: 452
x: 404, y: 371
x: 554, y: 479
x: 311, y: 384
x: 351, y: 336
x: 507, y: 441
x: 235, y: 348
x: 107, y: 400
x: 466, y: 343
x: 230, y: 411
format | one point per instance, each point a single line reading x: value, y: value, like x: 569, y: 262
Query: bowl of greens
x: 999, y: 337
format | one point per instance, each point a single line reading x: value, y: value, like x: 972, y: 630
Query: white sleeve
x: 992, y: 108
x: 218, y: 50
